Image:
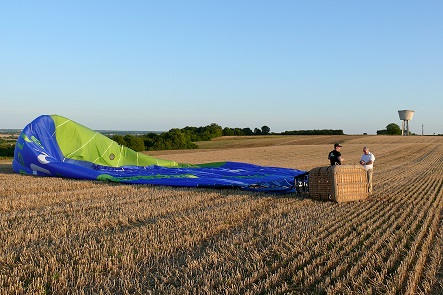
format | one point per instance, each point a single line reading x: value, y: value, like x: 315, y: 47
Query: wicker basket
x: 339, y: 183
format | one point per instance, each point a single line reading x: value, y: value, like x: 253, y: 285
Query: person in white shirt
x: 367, y: 161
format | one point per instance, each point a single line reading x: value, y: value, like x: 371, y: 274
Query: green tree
x: 119, y: 139
x: 135, y: 143
x: 215, y: 130
x: 265, y: 130
x: 393, y: 129
x: 150, y: 139
x: 203, y: 133
x: 247, y: 131
x: 228, y: 131
x: 174, y: 139
x: 194, y: 133
x: 238, y: 131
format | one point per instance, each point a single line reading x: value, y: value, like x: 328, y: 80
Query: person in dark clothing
x: 335, y: 155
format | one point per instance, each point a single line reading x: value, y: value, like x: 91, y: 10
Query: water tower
x: 405, y: 116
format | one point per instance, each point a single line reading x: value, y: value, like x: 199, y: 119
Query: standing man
x: 367, y: 161
x: 335, y: 155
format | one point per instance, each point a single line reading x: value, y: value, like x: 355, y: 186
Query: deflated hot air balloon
x: 56, y: 146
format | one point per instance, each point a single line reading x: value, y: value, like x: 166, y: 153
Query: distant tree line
x: 174, y: 139
x: 391, y: 129
x: 184, y: 138
x: 264, y: 130
x: 314, y: 132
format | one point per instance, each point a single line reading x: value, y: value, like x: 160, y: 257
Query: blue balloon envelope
x: 59, y: 147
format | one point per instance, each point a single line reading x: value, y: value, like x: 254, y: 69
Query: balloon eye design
x: 111, y: 156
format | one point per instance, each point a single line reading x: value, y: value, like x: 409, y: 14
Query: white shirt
x: 368, y: 158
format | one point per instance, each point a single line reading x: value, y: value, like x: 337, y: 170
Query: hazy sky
x: 157, y: 65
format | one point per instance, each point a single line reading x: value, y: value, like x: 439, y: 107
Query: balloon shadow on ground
x: 6, y: 169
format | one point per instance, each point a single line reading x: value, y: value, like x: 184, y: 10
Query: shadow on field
x: 6, y: 169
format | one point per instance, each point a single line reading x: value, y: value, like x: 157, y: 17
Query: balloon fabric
x: 52, y: 145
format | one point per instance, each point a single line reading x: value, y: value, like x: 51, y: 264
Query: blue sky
x: 157, y: 65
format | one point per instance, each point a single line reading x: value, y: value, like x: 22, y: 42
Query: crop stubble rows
x: 68, y: 236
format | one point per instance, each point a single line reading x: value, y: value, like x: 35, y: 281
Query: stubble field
x: 64, y: 236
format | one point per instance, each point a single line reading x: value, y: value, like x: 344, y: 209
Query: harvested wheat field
x: 64, y: 236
